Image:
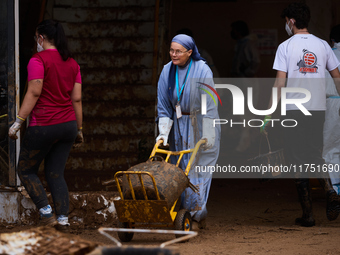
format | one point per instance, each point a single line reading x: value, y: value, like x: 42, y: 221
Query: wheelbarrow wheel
x: 183, y: 221
x: 125, y: 236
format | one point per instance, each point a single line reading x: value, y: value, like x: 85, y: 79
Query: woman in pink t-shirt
x: 53, y: 101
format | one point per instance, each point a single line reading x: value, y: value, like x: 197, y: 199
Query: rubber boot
x: 305, y: 198
x: 332, y: 198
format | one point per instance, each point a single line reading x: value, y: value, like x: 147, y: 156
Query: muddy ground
x: 246, y: 217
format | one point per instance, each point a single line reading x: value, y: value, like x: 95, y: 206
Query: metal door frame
x: 13, y: 84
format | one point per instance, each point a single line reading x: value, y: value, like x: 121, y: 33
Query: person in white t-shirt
x: 303, y: 59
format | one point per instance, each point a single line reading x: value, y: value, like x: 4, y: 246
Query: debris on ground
x: 44, y: 240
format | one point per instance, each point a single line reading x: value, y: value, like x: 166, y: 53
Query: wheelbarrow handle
x: 159, y: 142
x: 180, y: 153
x: 200, y: 142
x: 193, y: 155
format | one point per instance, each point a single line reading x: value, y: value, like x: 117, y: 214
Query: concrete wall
x: 113, y: 43
x: 16, y: 208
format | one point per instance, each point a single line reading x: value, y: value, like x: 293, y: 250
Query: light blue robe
x: 182, y: 135
x: 331, y: 133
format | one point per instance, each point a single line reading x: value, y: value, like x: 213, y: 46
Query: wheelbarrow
x: 150, y: 193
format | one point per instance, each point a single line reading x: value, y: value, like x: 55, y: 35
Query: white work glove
x: 208, y: 131
x: 12, y: 132
x: 164, y: 126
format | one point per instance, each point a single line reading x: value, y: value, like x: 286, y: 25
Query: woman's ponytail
x: 61, y: 42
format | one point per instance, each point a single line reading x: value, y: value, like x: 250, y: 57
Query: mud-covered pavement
x: 245, y: 217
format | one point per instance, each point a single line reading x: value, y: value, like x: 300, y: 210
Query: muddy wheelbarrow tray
x: 146, y: 213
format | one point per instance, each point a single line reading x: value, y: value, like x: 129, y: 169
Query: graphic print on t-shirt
x: 308, y: 63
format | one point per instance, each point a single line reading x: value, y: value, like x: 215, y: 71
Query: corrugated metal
x: 113, y: 43
x: 110, y: 45
x: 121, y: 93
x: 65, y: 14
x: 116, y: 60
x: 105, y: 76
x: 117, y: 144
x: 118, y: 126
x: 99, y: 165
x: 130, y: 109
x: 105, y: 3
x: 109, y: 29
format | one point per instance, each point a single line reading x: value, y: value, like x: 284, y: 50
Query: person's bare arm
x: 336, y: 77
x: 78, y: 109
x: 77, y: 104
x: 280, y: 82
x: 34, y: 89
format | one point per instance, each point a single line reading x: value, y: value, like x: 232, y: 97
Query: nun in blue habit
x: 182, y: 124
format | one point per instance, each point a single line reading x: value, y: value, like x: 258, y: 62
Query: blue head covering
x: 188, y: 43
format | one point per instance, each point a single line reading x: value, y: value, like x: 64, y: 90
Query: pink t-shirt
x: 54, y: 105
x: 35, y: 69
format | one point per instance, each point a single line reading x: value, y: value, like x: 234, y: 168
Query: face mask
x: 288, y: 29
x: 336, y: 45
x: 39, y: 47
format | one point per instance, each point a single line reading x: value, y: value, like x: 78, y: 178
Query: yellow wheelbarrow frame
x: 150, y: 213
